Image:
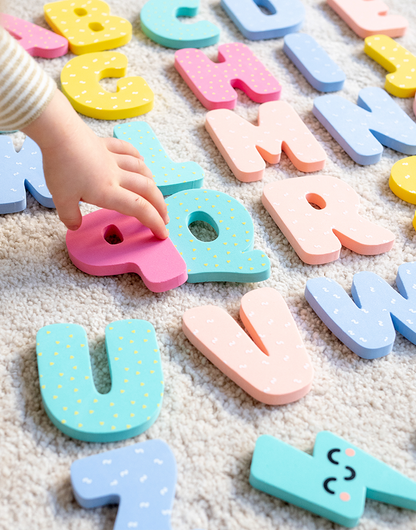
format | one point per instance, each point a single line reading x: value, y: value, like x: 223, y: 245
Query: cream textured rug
x: 209, y: 422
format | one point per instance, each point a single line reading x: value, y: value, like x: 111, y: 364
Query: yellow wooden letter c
x: 80, y: 83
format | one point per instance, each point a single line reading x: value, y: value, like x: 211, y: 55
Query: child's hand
x: 106, y: 172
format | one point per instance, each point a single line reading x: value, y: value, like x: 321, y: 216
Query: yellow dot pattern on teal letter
x: 159, y: 22
x: 68, y: 392
x: 230, y: 257
x: 170, y: 177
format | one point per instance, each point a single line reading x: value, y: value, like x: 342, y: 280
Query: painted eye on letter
x: 352, y: 475
x: 330, y: 453
x: 326, y: 487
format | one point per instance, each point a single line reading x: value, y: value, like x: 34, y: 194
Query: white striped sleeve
x: 25, y: 89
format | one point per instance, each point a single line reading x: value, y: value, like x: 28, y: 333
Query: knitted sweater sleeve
x: 25, y: 89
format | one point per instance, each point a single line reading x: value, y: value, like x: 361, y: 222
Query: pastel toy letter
x: 313, y: 62
x: 213, y: 83
x: 401, y: 82
x: 369, y: 17
x: 37, y: 41
x: 285, y: 16
x: 111, y: 243
x: 363, y: 129
x: 160, y: 23
x: 170, y: 177
x: 367, y: 325
x: 403, y: 181
x: 87, y: 25
x: 317, y: 232
x: 333, y: 482
x: 21, y: 171
x: 141, y: 478
x: 228, y: 258
x: 245, y: 146
x: 68, y: 392
x: 80, y: 79
x: 272, y: 367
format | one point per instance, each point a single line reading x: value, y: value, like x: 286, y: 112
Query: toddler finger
x: 120, y: 147
x: 147, y: 189
x: 128, y: 203
x: 69, y: 213
x: 134, y: 165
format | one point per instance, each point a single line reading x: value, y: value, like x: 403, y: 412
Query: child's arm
x: 25, y: 89
x: 106, y: 172
x: 78, y: 165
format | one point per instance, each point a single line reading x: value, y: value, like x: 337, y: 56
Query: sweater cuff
x: 25, y: 89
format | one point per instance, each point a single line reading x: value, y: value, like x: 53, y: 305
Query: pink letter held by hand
x: 369, y: 17
x: 110, y: 243
x: 37, y: 41
x: 274, y: 369
x: 244, y: 146
x: 316, y: 234
x: 213, y: 84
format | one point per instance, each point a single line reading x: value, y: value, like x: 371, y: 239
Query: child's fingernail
x: 74, y: 227
x: 167, y: 220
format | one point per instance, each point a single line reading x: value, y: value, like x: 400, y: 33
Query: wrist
x: 57, y: 124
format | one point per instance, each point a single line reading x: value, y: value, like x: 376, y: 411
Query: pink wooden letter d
x: 111, y: 243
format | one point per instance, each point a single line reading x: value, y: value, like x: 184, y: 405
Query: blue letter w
x: 367, y: 326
